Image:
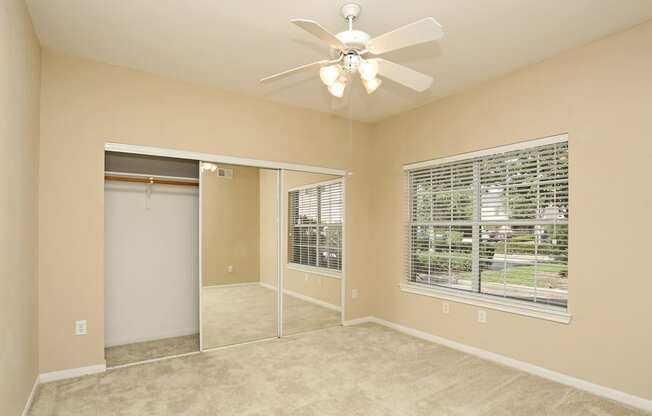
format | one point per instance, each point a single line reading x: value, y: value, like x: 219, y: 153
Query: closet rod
x: 148, y: 179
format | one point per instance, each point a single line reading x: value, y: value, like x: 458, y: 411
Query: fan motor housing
x: 354, y: 39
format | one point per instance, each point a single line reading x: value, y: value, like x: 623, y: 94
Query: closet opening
x: 151, y: 244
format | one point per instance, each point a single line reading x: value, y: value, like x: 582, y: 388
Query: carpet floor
x: 142, y: 351
x: 360, y: 370
x: 237, y: 314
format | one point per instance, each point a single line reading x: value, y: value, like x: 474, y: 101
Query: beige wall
x: 85, y: 104
x: 230, y: 227
x: 19, y: 127
x: 601, y: 95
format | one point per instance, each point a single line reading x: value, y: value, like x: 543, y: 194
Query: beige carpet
x: 237, y: 314
x: 142, y: 351
x: 363, y: 370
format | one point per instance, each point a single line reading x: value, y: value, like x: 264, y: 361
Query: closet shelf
x: 151, y: 180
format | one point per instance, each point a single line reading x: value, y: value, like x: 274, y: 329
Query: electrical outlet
x: 354, y: 293
x: 482, y: 316
x: 305, y: 277
x: 445, y: 307
x: 81, y: 327
x: 229, y: 269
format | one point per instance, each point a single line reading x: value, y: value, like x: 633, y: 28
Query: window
x: 493, y: 223
x: 315, y: 226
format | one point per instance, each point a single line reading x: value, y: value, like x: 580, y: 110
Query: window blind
x: 494, y: 224
x: 315, y: 226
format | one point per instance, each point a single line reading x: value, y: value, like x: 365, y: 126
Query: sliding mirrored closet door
x: 313, y: 207
x: 239, y: 266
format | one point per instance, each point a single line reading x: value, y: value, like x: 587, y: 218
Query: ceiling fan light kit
x: 337, y: 88
x: 353, y: 47
x: 329, y: 74
x: 368, y: 70
x: 371, y: 85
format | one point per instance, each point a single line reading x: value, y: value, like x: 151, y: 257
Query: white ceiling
x: 232, y: 44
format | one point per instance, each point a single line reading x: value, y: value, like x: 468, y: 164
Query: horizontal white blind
x: 315, y: 226
x: 495, y: 224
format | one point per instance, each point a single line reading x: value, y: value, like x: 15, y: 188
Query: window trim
x: 322, y: 271
x: 338, y: 274
x: 550, y: 313
x: 315, y: 184
x: 560, y: 138
x: 525, y: 308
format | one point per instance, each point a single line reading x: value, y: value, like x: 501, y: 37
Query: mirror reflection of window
x: 313, y: 268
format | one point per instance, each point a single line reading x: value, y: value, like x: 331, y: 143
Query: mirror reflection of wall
x: 236, y: 306
x: 312, y: 275
x: 240, y: 252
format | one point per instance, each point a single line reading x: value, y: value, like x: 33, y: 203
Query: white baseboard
x: 30, y: 399
x: 304, y: 298
x: 267, y: 286
x: 358, y: 321
x: 172, y: 334
x: 230, y: 285
x: 71, y: 373
x: 596, y: 389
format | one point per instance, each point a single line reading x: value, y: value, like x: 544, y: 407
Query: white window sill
x: 315, y: 270
x: 489, y: 302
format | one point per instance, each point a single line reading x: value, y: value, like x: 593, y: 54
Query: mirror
x: 239, y: 266
x: 313, y: 207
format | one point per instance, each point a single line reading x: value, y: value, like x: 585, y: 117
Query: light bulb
x: 368, y: 69
x: 337, y: 88
x: 329, y: 74
x: 208, y: 166
x: 371, y: 85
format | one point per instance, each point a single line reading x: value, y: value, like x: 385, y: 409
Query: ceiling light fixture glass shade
x: 205, y: 166
x: 371, y: 85
x: 337, y: 88
x: 368, y: 69
x: 329, y: 74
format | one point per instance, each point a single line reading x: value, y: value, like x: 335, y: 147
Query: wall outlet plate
x: 354, y: 293
x: 482, y: 316
x: 445, y: 307
x: 81, y: 327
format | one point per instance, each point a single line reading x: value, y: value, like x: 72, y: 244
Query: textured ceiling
x: 232, y: 44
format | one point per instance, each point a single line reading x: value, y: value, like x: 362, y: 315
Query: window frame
x: 471, y: 297
x: 324, y: 271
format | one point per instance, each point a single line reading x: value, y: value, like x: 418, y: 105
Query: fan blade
x: 293, y: 70
x: 421, y: 31
x: 404, y: 75
x: 318, y: 30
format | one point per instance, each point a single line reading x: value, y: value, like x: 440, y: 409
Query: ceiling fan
x: 352, y: 50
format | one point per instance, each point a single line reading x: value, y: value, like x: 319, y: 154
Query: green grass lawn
x: 523, y: 275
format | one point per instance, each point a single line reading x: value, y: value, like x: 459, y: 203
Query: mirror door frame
x: 259, y: 163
